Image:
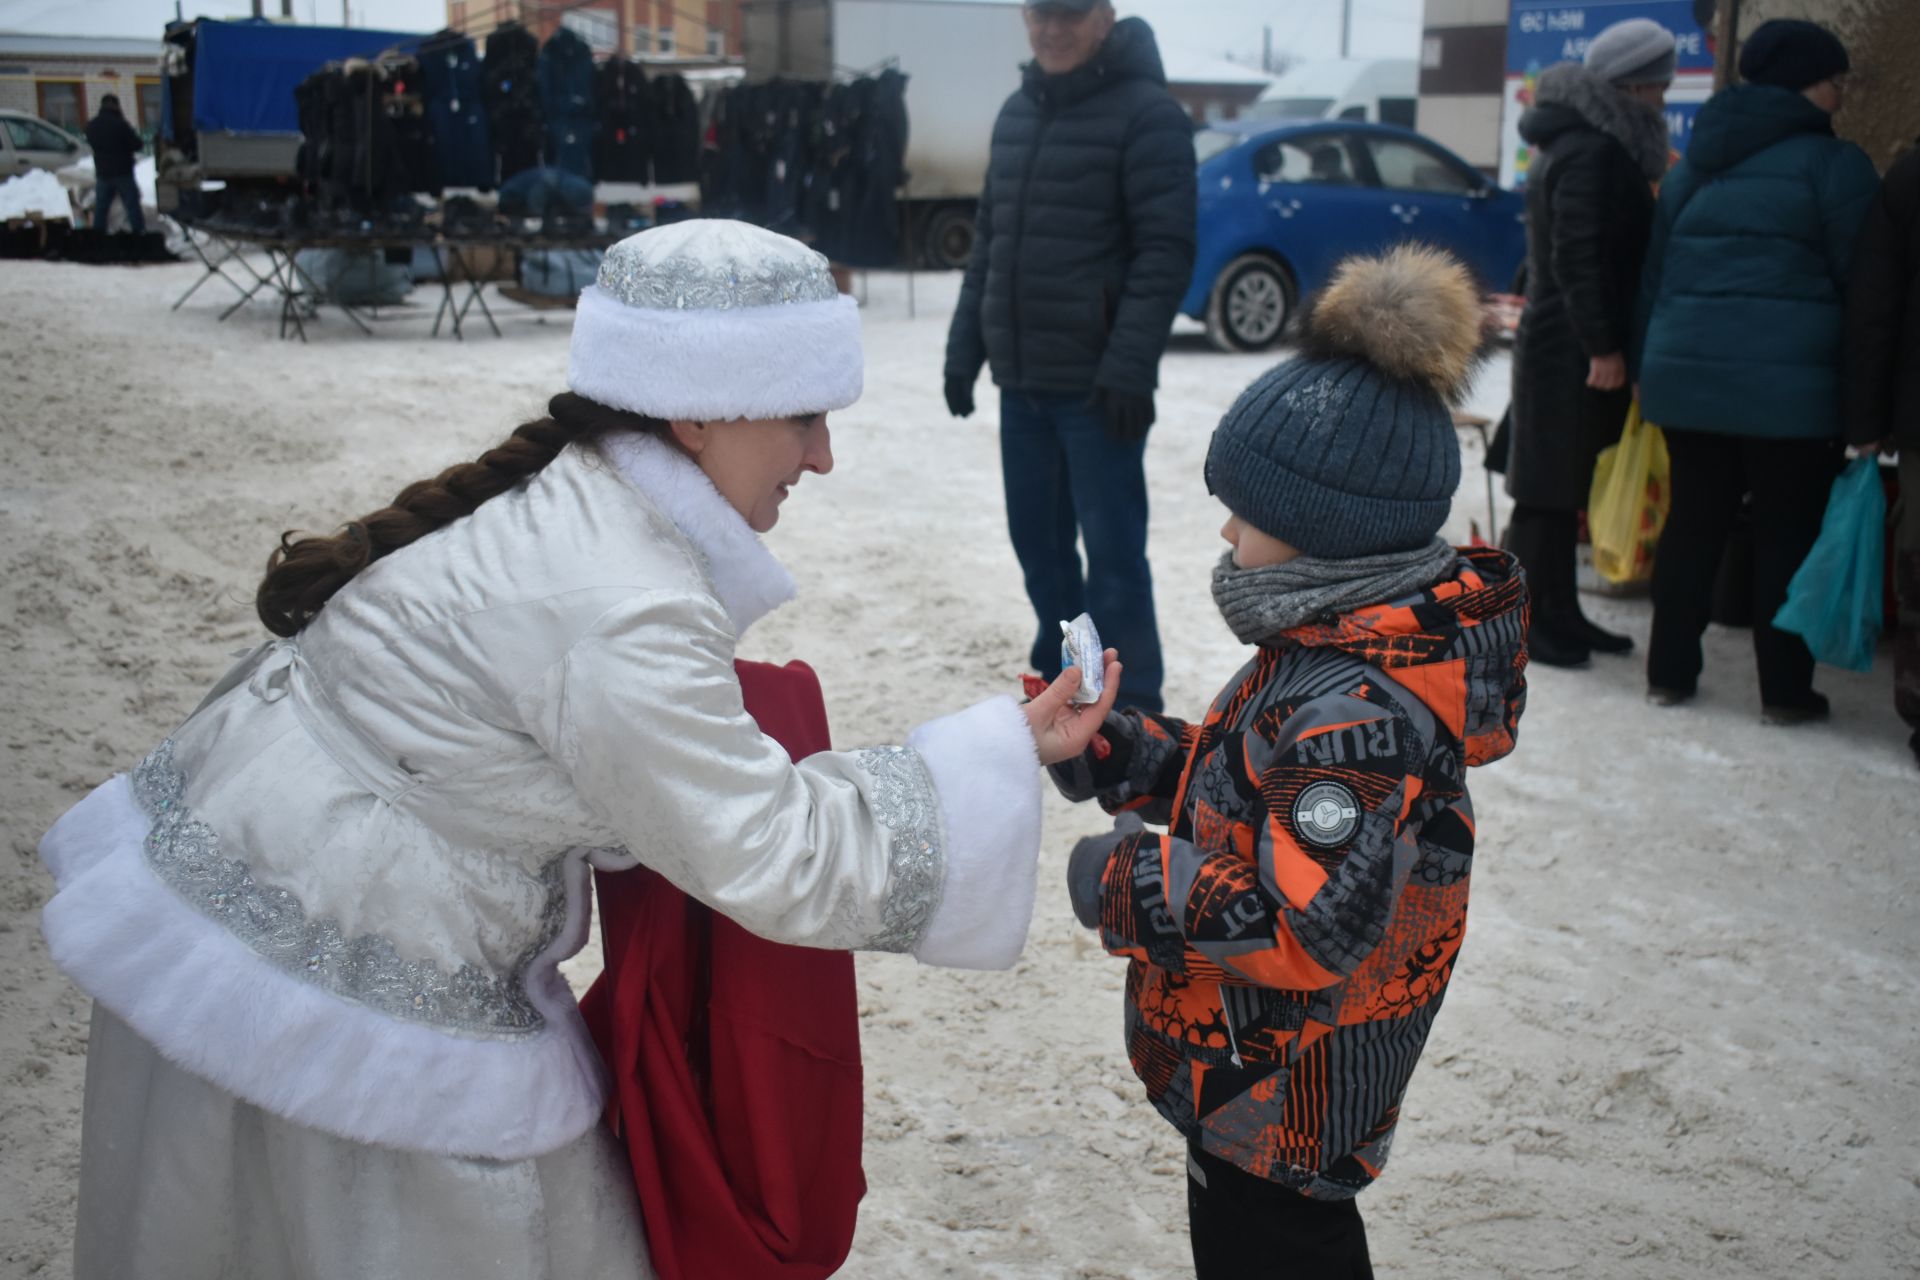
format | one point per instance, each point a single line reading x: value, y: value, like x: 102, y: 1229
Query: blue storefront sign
x: 1541, y: 33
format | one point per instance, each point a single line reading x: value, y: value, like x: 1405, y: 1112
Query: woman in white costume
x: 321, y: 921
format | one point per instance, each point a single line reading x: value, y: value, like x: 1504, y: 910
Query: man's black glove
x: 1088, y: 862
x: 1128, y: 415
x: 960, y: 397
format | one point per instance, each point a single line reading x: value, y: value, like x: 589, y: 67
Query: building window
x: 148, y: 94
x: 716, y: 43
x: 665, y: 42
x: 64, y: 102
x: 600, y: 29
x: 643, y: 39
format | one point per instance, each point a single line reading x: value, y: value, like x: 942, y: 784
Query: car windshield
x: 1208, y: 143
x: 1290, y: 109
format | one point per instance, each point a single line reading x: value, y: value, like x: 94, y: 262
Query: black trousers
x: 1247, y: 1228
x: 1546, y: 541
x: 1789, y: 481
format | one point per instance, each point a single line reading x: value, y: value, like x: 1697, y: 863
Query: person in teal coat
x: 1738, y: 343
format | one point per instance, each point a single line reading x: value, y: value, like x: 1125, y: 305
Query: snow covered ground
x: 1682, y: 1037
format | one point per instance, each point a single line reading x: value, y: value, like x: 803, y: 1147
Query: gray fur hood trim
x: 1570, y: 87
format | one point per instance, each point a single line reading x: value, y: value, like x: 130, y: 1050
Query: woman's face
x: 1253, y: 549
x: 755, y: 464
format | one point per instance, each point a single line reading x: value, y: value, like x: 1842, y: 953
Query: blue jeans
x: 105, y: 189
x: 1068, y: 481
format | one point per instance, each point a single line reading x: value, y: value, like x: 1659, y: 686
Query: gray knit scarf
x: 1261, y: 603
x: 1640, y: 128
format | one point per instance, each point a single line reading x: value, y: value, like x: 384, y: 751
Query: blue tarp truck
x: 228, y: 105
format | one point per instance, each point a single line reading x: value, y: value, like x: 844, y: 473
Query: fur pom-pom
x: 1413, y: 313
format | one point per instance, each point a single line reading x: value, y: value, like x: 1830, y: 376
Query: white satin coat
x: 341, y: 889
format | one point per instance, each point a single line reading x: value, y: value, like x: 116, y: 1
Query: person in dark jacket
x: 115, y: 143
x: 1740, y: 342
x: 1882, y: 390
x: 1085, y: 245
x: 1602, y: 145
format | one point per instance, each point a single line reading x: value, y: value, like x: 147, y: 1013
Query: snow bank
x: 35, y: 194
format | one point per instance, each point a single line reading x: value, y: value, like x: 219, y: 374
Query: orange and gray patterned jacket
x: 1293, y: 932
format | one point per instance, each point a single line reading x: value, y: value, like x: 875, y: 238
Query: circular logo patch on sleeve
x: 1326, y: 815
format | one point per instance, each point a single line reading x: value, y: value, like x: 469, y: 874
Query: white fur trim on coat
x: 748, y: 580
x: 716, y: 366
x: 209, y: 1003
x: 984, y: 767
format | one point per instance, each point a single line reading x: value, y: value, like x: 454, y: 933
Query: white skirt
x: 180, y: 1180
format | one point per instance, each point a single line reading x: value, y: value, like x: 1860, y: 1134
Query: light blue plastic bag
x: 1834, y: 602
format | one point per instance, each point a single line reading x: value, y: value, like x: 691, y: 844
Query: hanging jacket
x: 1589, y: 213
x: 871, y: 236
x: 1882, y: 369
x: 1741, y: 309
x: 456, y: 110
x: 513, y: 99
x: 622, y: 123
x: 676, y: 139
x: 566, y: 79
x: 1293, y: 932
x: 1085, y: 236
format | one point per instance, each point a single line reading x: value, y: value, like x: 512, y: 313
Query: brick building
x: 62, y: 78
x: 692, y: 30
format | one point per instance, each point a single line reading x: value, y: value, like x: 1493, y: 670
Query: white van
x: 1371, y: 90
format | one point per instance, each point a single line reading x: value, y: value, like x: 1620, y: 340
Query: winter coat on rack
x: 1747, y: 271
x: 1882, y: 368
x: 871, y: 236
x: 456, y: 110
x: 513, y: 100
x: 566, y: 79
x: 676, y: 136
x: 622, y: 139
x: 1085, y: 235
x: 341, y: 889
x: 1589, y: 211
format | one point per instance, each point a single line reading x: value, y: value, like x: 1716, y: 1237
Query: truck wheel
x: 949, y: 238
x: 1252, y: 302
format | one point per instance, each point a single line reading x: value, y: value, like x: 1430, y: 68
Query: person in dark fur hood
x: 1602, y: 147
x: 1294, y: 928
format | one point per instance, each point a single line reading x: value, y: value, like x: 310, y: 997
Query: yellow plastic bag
x: 1628, y: 506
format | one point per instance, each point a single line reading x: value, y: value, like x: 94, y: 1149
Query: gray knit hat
x: 1349, y: 450
x: 1637, y: 51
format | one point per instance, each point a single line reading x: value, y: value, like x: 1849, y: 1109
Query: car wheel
x: 949, y: 238
x: 1252, y: 303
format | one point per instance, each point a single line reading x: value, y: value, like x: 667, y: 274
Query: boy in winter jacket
x: 1292, y: 932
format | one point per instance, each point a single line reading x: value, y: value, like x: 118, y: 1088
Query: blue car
x: 1281, y: 205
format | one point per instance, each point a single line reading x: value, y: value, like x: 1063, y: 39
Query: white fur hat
x: 713, y: 321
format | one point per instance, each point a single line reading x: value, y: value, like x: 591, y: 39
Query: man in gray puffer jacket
x: 1085, y: 247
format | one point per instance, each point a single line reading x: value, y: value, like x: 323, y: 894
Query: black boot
x: 1556, y: 638
x: 1598, y: 637
x: 1810, y: 709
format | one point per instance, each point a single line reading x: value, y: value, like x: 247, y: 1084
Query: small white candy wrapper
x: 1080, y: 647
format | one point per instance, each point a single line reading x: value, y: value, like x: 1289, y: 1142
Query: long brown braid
x: 304, y: 572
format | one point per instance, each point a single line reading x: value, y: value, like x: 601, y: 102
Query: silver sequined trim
x: 905, y: 803
x: 185, y: 853
x: 684, y: 284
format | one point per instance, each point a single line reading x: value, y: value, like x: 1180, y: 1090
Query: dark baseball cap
x: 1072, y: 6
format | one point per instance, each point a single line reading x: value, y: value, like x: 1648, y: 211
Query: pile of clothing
x: 822, y: 163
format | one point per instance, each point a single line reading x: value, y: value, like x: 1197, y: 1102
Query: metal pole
x: 1266, y: 52
x: 1346, y: 27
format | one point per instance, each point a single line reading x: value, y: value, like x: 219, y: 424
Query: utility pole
x: 1346, y: 27
x: 1266, y: 53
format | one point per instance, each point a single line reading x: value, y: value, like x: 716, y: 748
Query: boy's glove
x: 1088, y: 862
x: 1128, y: 416
x: 960, y: 397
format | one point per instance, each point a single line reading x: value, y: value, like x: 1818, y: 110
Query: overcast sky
x: 1304, y: 28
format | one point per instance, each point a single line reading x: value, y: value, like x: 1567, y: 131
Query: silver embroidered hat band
x: 714, y: 321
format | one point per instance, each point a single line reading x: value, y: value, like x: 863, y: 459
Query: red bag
x: 735, y: 1061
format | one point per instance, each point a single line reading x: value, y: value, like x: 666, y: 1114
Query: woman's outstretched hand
x: 1062, y: 730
